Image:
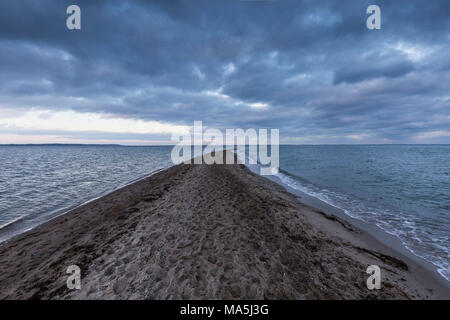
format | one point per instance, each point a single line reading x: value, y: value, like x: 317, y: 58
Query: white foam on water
x: 11, y: 222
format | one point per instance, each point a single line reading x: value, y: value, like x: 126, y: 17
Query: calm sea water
x: 38, y: 182
x: 404, y: 189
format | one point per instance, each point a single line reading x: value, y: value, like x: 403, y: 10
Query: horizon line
x: 169, y: 145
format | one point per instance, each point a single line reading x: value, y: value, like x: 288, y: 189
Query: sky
x: 138, y: 71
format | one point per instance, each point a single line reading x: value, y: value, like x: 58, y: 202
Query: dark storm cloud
x: 373, y: 67
x: 322, y: 75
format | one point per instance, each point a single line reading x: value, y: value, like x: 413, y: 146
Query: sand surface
x: 203, y: 232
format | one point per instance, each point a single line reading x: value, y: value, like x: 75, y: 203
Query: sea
x: 402, y: 189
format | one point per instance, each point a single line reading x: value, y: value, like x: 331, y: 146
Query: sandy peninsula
x: 205, y: 232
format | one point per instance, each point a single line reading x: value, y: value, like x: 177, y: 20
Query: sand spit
x: 203, y: 232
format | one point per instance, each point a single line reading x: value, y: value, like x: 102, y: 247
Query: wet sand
x: 206, y: 232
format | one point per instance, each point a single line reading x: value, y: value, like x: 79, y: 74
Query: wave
x: 397, y: 224
x: 8, y: 223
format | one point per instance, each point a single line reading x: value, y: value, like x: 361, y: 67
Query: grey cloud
x: 373, y: 67
x: 314, y: 63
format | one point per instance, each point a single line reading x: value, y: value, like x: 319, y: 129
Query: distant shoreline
x: 171, y: 145
x: 57, y: 144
